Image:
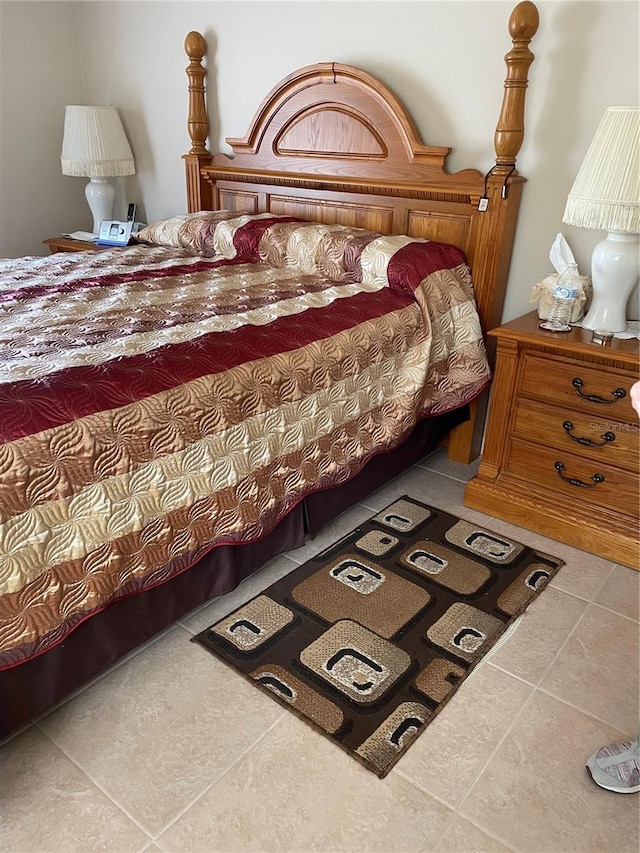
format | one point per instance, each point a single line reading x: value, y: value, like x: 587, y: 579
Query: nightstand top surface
x: 68, y: 244
x: 577, y: 341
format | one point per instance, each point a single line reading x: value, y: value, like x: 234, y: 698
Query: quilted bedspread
x: 161, y: 400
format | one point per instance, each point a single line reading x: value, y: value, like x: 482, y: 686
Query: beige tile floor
x: 170, y: 751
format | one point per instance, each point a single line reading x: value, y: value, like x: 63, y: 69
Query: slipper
x: 616, y: 767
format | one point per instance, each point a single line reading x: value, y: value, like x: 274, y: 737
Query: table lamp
x: 95, y: 146
x: 606, y: 195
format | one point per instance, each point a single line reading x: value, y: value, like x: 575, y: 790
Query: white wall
x: 443, y: 59
x: 40, y: 72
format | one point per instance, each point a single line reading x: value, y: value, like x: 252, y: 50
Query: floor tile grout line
x: 119, y: 806
x: 397, y: 771
x: 221, y: 776
x: 547, y: 692
x: 489, y: 833
x: 604, y: 581
x: 422, y: 468
x: 456, y: 808
x: 587, y: 601
x: 506, y: 733
x: 451, y: 510
x: 150, y: 835
x: 535, y: 684
x: 598, y: 589
x: 615, y: 612
x: 590, y: 604
x: 533, y: 690
x: 536, y: 688
x: 506, y: 672
x: 562, y: 646
x: 442, y: 474
x: 123, y: 661
x: 94, y: 782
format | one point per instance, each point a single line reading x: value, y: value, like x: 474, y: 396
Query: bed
x: 176, y: 414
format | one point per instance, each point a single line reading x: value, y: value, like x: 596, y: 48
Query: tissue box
x: 543, y: 295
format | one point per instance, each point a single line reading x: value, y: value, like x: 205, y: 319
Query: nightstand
x: 561, y: 444
x: 68, y: 244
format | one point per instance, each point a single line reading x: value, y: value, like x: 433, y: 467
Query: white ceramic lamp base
x: 614, y: 274
x: 101, y: 196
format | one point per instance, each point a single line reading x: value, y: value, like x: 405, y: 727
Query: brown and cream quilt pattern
x: 164, y: 399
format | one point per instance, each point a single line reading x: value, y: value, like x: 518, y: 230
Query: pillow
x: 186, y: 231
x: 208, y: 232
x: 282, y: 241
x: 371, y: 265
x: 339, y: 252
x: 416, y: 259
x: 314, y: 248
x: 240, y: 236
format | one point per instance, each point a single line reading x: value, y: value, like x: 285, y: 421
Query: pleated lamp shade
x: 606, y: 192
x: 95, y: 144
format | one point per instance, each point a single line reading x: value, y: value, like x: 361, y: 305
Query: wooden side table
x: 68, y: 244
x: 562, y: 439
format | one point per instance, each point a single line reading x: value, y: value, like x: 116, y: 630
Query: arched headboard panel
x: 315, y: 130
x: 339, y: 111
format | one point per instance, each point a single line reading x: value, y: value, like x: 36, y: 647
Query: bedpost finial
x: 195, y: 46
x: 523, y: 25
x: 198, y: 122
x: 524, y: 21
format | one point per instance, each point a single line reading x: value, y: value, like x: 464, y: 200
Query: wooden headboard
x: 330, y: 143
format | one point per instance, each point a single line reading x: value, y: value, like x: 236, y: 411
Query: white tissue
x: 560, y: 254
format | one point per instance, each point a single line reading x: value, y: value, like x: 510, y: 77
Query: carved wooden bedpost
x: 497, y: 225
x: 503, y: 184
x: 198, y: 192
x: 523, y: 25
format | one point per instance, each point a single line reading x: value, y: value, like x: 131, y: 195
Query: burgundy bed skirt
x: 30, y: 689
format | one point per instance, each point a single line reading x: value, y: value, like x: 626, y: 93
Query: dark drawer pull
x: 597, y: 478
x: 606, y: 437
x: 618, y: 394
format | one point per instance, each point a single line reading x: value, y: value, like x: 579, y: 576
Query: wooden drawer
x: 533, y: 395
x: 553, y: 380
x: 536, y: 465
x: 544, y: 424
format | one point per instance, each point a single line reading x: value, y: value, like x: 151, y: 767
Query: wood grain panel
x: 607, y: 533
x: 242, y: 202
x: 619, y: 488
x: 543, y: 424
x: 443, y: 227
x: 332, y: 132
x: 550, y: 378
x: 373, y: 218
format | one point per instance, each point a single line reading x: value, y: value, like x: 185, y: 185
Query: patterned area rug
x: 368, y: 640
